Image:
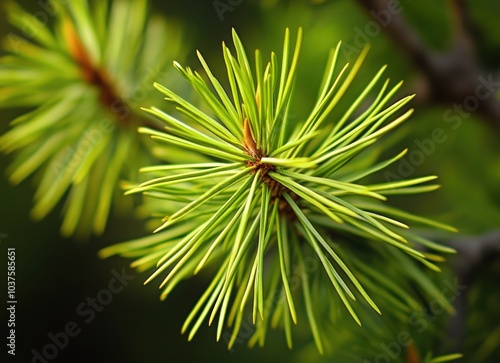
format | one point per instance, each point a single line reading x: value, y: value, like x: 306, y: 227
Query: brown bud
x: 248, y: 139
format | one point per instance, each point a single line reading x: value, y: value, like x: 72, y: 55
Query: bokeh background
x: 55, y: 275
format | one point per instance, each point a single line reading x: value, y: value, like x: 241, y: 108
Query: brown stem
x: 99, y: 78
x: 94, y: 75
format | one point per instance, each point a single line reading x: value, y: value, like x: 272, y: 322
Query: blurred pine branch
x: 83, y: 79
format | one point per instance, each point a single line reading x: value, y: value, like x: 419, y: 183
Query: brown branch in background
x: 453, y: 76
x: 462, y: 26
x: 474, y: 253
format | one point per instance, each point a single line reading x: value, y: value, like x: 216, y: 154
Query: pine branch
x: 83, y: 77
x: 268, y: 196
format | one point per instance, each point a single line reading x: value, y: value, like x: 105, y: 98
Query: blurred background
x: 443, y: 50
